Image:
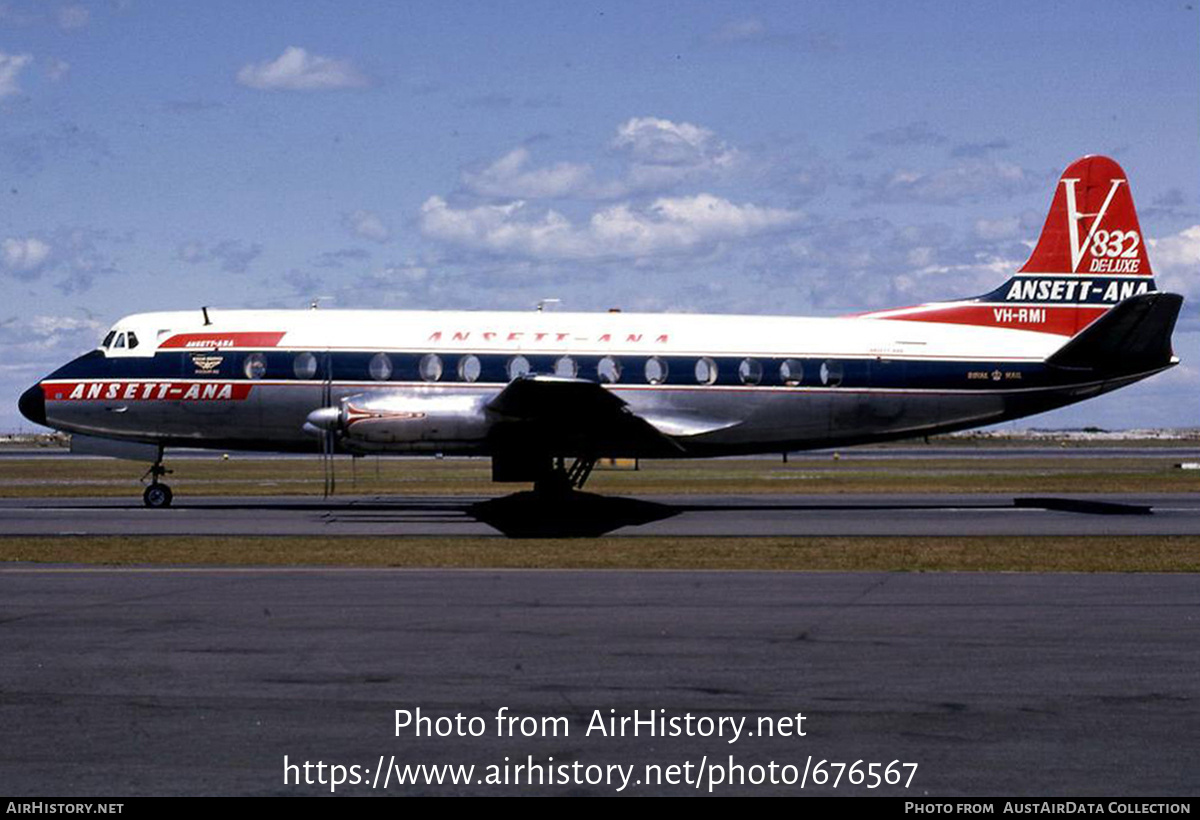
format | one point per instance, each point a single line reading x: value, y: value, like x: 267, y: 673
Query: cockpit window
x: 108, y: 339
x: 132, y: 340
x: 119, y: 344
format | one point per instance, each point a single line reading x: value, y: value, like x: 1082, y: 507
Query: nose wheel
x: 157, y: 494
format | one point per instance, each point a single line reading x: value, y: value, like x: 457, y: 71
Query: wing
x: 581, y: 416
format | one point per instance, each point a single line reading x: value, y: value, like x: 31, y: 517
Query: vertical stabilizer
x: 1090, y: 257
x: 1092, y: 227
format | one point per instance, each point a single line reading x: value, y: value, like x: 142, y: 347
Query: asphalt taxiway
x: 586, y: 514
x: 200, y: 681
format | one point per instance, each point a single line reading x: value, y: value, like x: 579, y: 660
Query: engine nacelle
x: 406, y: 422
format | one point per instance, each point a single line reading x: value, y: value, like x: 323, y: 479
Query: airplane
x: 534, y: 390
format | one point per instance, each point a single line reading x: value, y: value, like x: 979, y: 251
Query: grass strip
x: 900, y: 554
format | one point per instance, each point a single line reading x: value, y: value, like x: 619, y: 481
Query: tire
x: 157, y: 496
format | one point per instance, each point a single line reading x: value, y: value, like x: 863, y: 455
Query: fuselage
x: 711, y: 384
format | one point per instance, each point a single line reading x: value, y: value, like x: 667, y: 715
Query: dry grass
x: 242, y: 475
x: 995, y: 553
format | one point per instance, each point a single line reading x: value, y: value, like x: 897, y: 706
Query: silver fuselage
x: 712, y: 385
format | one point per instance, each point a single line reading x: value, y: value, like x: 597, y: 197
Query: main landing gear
x: 157, y: 494
x: 560, y: 480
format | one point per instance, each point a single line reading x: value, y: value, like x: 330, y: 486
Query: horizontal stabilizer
x: 1133, y: 337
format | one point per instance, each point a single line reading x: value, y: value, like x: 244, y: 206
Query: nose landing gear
x: 157, y: 494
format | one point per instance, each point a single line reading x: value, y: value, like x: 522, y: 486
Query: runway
x: 192, y: 682
x: 589, y: 515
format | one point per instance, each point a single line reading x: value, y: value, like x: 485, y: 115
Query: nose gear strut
x: 157, y: 495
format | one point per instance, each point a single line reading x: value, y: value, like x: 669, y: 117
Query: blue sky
x: 797, y: 158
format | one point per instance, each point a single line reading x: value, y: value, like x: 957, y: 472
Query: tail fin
x: 1092, y: 227
x: 1090, y: 256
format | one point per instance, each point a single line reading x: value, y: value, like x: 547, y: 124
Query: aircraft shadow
x: 570, y: 515
x: 587, y: 515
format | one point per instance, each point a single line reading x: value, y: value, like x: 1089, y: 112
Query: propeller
x: 323, y: 422
x: 328, y: 437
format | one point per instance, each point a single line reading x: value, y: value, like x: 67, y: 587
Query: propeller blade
x: 326, y: 419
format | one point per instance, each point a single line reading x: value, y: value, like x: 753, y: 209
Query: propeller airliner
x: 545, y: 394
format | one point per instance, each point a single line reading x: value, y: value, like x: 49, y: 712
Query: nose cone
x: 33, y: 405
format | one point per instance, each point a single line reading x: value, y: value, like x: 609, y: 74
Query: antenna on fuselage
x: 316, y: 303
x: 204, y: 311
x: 541, y: 305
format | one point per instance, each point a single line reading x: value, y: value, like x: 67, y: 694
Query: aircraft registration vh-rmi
x: 546, y: 394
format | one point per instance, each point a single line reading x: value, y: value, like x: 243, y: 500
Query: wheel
x: 157, y: 495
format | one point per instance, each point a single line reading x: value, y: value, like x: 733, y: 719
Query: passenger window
x: 255, y: 366
x: 469, y: 368
x: 656, y: 370
x: 706, y: 371
x: 791, y: 372
x: 518, y: 366
x: 608, y: 370
x: 305, y: 366
x: 430, y: 367
x: 566, y: 368
x: 380, y: 367
x: 750, y: 371
x: 831, y: 373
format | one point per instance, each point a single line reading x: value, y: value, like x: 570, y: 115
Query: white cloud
x: 77, y: 255
x: 949, y: 186
x: 510, y: 178
x: 47, y: 332
x: 367, y: 225
x: 1181, y: 250
x: 297, y: 70
x: 667, y: 225
x: 664, y: 153
x: 659, y: 155
x: 73, y: 17
x: 233, y: 255
x: 871, y: 264
x: 1176, y: 261
x: 10, y: 67
x: 25, y: 256
x: 655, y: 141
x: 995, y: 229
